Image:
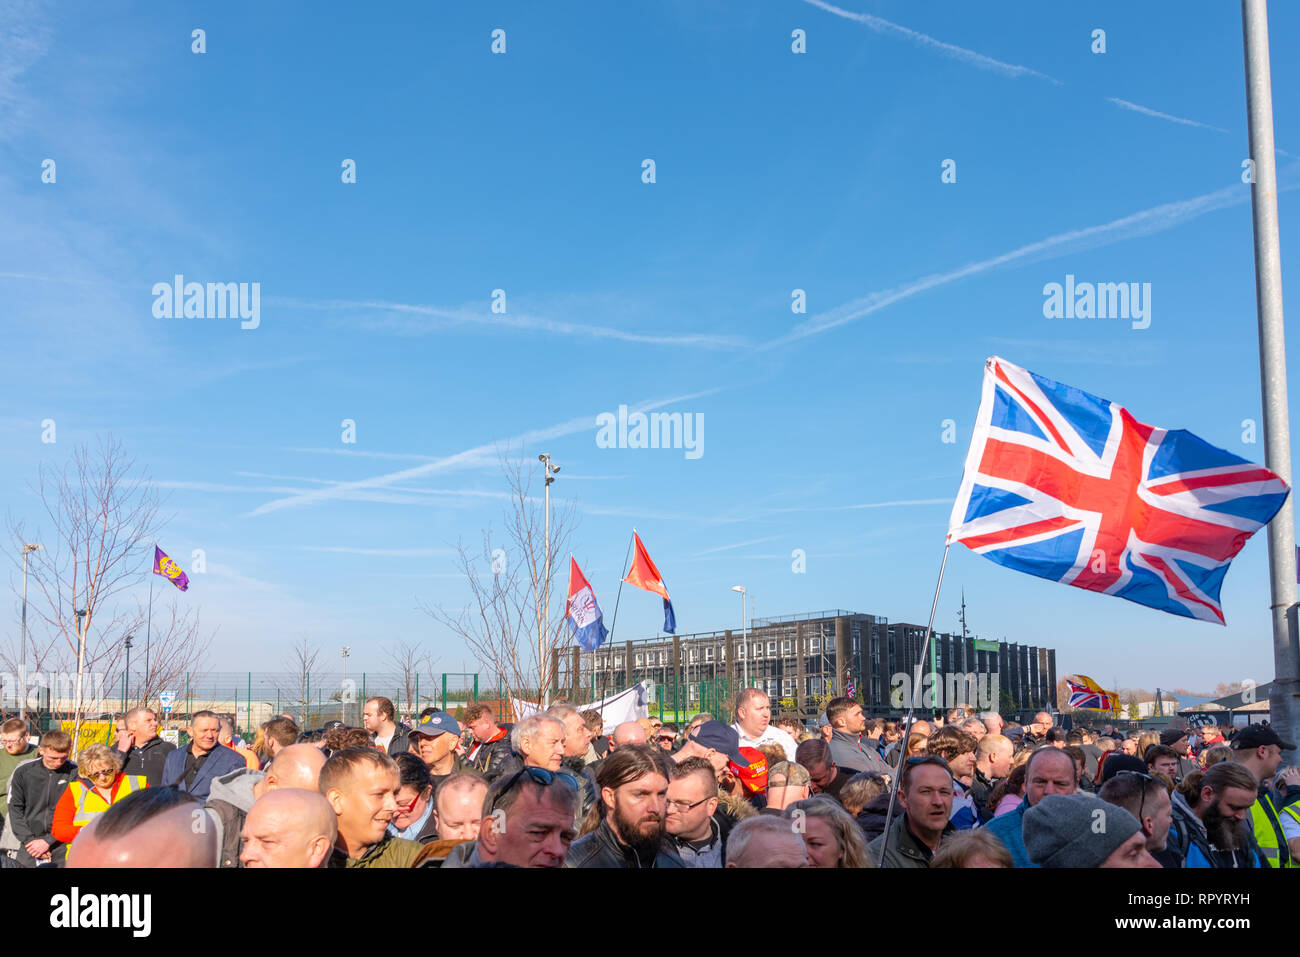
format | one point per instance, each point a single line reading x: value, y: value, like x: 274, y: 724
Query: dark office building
x: 803, y: 660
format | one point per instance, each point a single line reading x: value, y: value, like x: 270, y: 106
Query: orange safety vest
x: 90, y: 802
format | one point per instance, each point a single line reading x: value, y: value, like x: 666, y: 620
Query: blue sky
x: 523, y: 172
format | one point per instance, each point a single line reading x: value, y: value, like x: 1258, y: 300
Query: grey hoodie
x: 229, y: 802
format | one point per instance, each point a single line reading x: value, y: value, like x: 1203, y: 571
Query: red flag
x: 644, y: 575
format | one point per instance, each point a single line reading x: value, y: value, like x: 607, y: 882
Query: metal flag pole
x: 1284, y: 695
x: 148, y: 636
x: 609, y: 639
x: 911, y: 706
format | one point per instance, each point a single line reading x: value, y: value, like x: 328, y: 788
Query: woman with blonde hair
x: 977, y: 848
x: 99, y: 785
x: 831, y: 837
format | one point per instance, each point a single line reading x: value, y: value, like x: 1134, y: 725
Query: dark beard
x: 634, y: 835
x: 1223, y: 832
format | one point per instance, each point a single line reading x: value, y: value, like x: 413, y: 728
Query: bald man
x: 233, y: 795
x: 156, y: 827
x: 289, y: 827
x: 627, y: 734
x: 458, y: 807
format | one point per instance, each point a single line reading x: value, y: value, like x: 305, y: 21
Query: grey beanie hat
x: 1067, y: 830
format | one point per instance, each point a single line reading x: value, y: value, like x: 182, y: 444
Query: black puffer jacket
x: 492, y: 758
x: 601, y: 848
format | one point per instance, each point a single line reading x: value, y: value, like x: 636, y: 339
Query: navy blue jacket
x: 221, y: 761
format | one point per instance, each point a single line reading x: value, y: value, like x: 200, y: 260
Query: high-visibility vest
x: 1268, y: 831
x: 90, y: 802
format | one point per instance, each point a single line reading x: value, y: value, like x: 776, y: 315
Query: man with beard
x: 1258, y: 749
x: 632, y: 808
x: 1210, y: 810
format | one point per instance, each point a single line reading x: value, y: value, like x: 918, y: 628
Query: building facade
x: 801, y: 661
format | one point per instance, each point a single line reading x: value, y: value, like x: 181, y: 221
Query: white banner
x: 625, y: 706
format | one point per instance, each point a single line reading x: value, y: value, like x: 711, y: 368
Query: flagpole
x: 614, y: 621
x: 911, y: 706
x: 1284, y: 705
x: 148, y: 635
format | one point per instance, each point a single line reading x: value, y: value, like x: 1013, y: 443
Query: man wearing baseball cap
x: 1082, y: 830
x: 434, y: 739
x: 717, y: 743
x: 1258, y: 748
x: 787, y: 783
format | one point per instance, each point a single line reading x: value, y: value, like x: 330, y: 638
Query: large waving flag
x: 644, y: 575
x: 164, y: 566
x: 582, y: 610
x: 1087, y: 695
x: 1071, y: 487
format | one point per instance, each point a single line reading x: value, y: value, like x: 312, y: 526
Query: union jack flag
x: 1087, y: 695
x: 1071, y: 487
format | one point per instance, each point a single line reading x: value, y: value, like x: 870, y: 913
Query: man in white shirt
x: 754, y: 723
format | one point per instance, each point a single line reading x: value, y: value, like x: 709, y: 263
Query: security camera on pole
x: 544, y: 596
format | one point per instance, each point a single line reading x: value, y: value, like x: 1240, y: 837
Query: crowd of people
x: 558, y: 789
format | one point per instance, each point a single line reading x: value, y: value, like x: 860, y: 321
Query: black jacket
x: 980, y: 789
x: 34, y: 791
x: 601, y: 848
x: 490, y: 759
x: 148, y: 759
x: 401, y: 742
x: 872, y: 817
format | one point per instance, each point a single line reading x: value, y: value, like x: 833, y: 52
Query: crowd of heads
x: 560, y: 788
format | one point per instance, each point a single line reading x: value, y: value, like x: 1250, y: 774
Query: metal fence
x: 253, y: 697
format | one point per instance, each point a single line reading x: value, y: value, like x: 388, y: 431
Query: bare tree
x: 99, y: 521
x: 506, y: 623
x: 407, y: 659
x: 178, y: 649
x: 301, y: 663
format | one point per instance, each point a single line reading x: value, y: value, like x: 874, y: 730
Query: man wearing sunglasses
x: 1146, y: 798
x: 925, y: 792
x: 527, y: 822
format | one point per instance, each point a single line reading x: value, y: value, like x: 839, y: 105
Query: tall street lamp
x: 22, y: 659
x: 744, y: 627
x: 127, y: 644
x: 545, y: 598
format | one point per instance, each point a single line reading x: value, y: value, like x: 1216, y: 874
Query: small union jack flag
x: 1071, y: 487
x: 1087, y: 695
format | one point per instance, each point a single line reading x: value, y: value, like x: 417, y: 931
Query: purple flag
x: 163, y: 565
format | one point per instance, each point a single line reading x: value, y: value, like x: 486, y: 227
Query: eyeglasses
x: 539, y: 776
x: 102, y: 772
x: 1146, y: 777
x: 681, y: 807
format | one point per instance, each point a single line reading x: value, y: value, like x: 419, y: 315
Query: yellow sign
x: 92, y: 732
